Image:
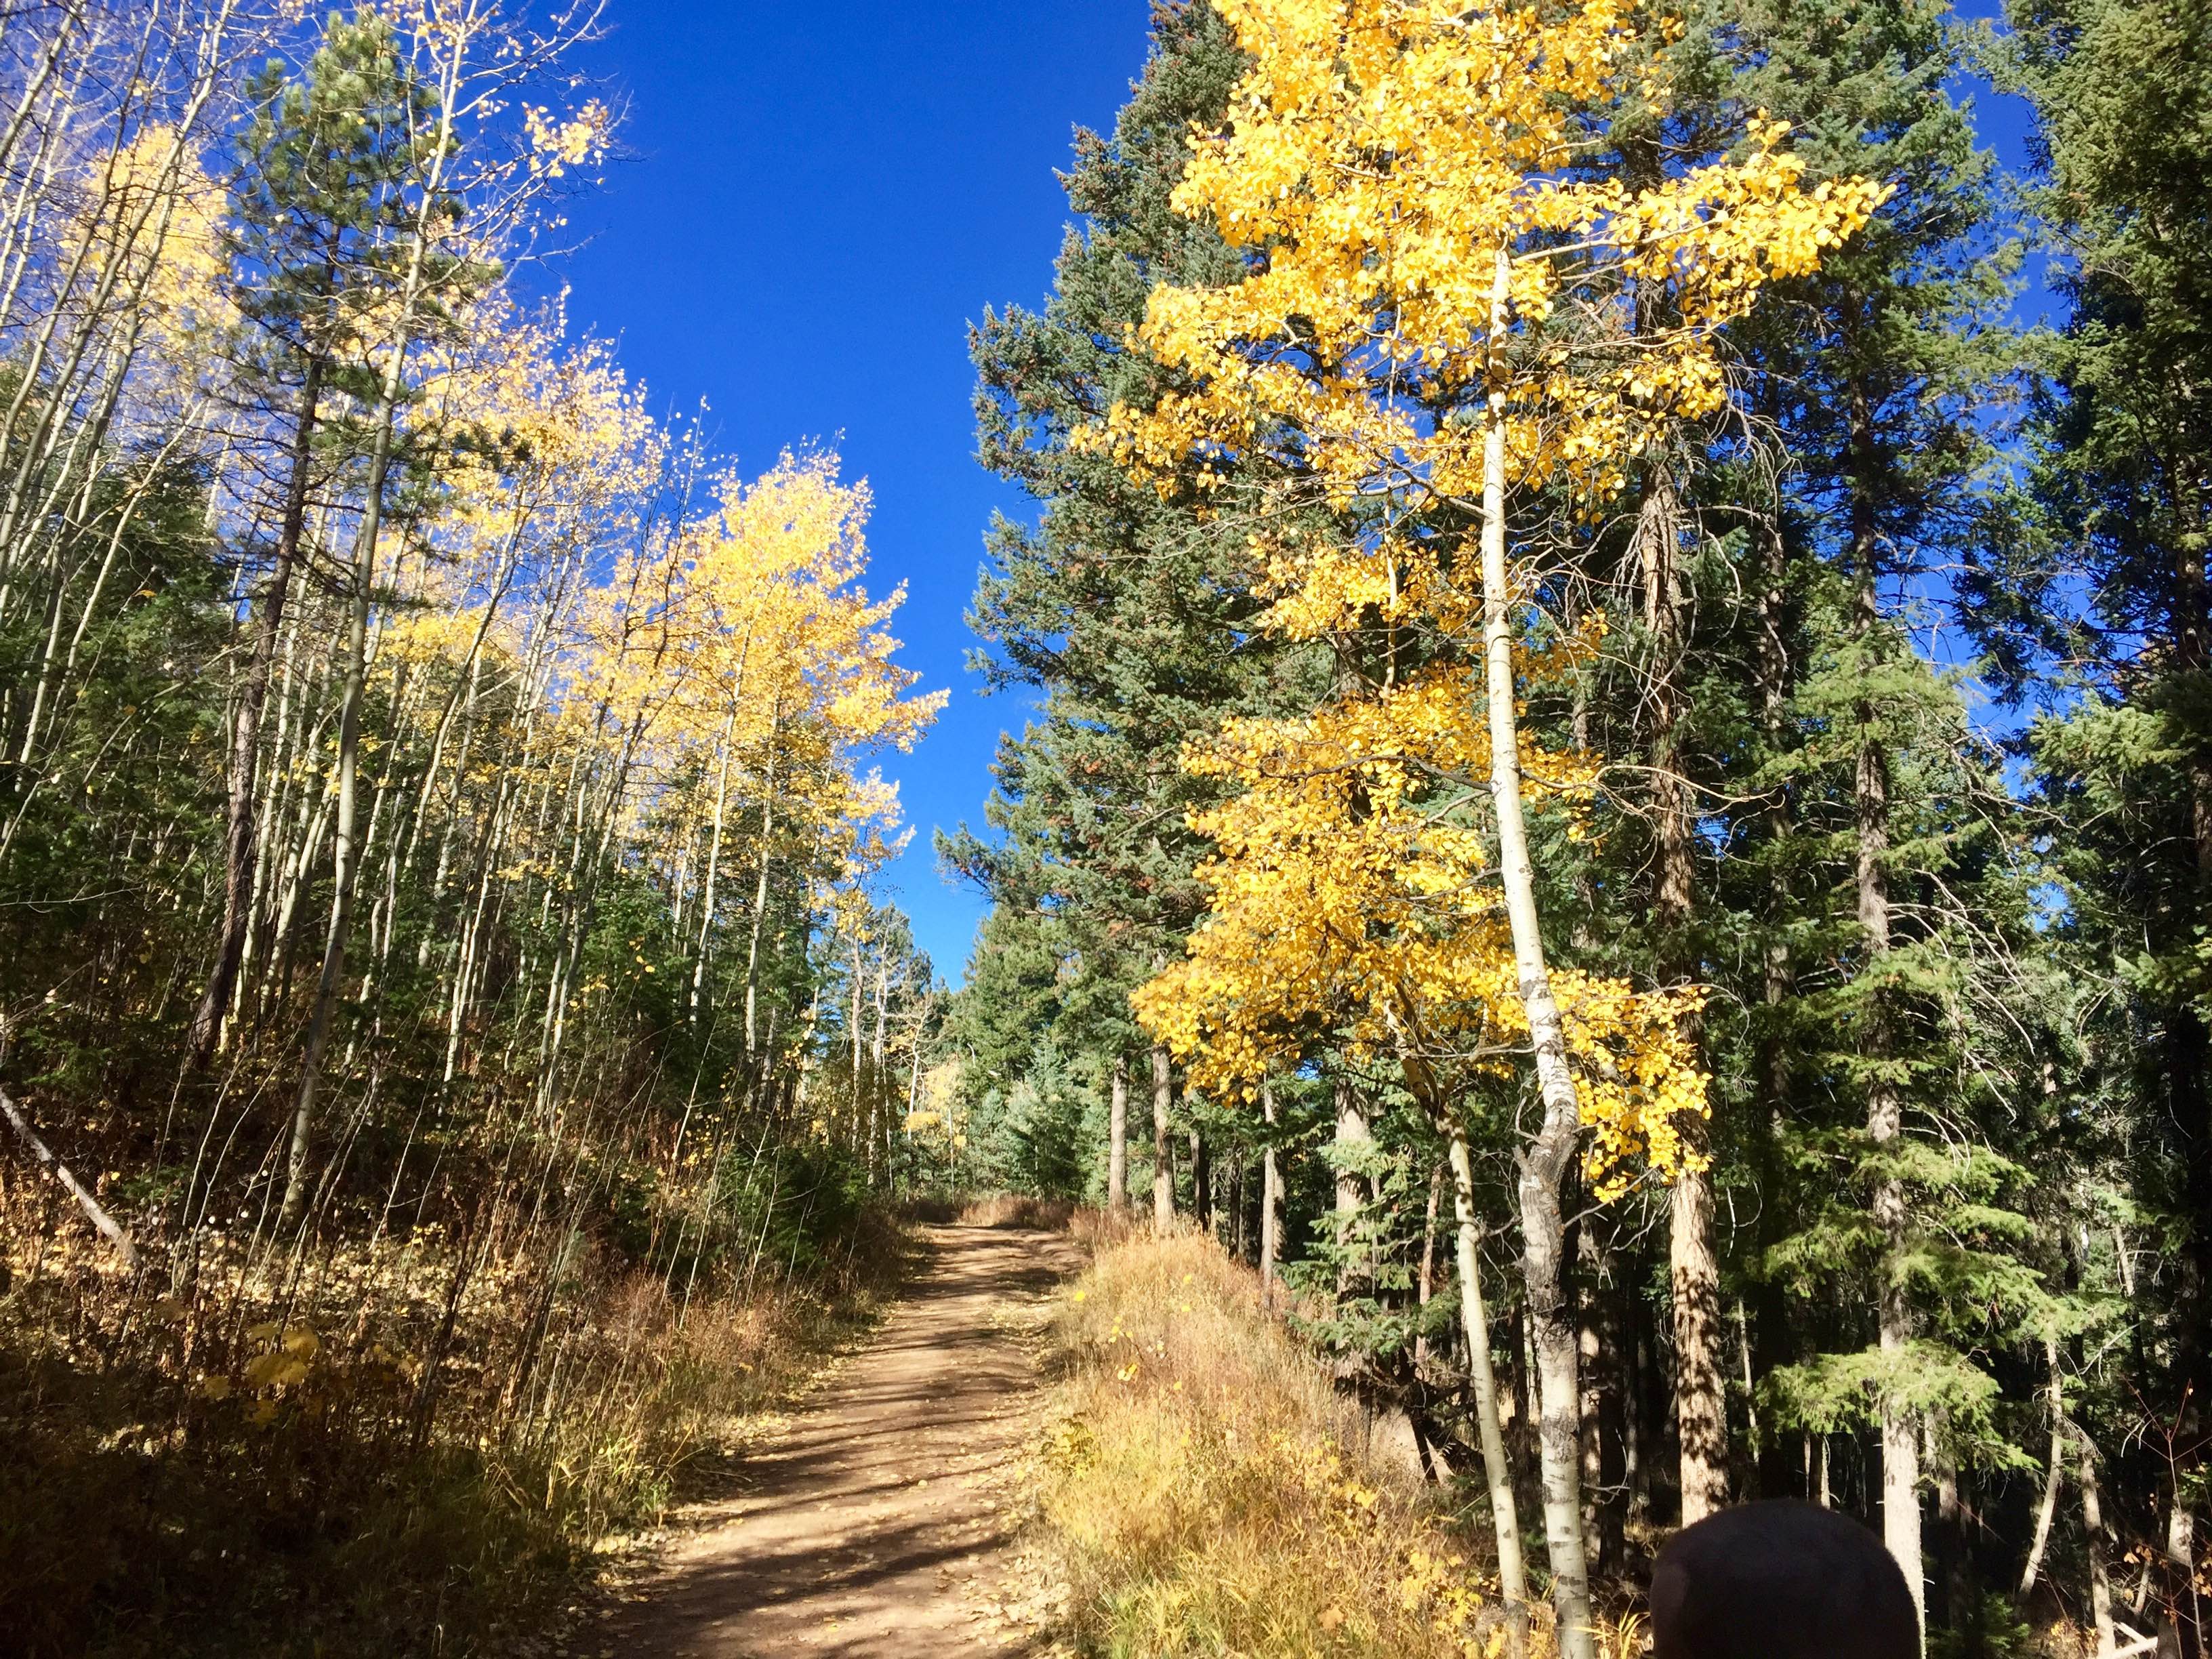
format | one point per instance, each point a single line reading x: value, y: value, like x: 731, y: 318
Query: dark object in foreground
x: 1780, y: 1580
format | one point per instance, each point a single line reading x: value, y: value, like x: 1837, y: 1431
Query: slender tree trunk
x: 753, y: 1055
x: 241, y: 853
x: 2180, y: 1565
x: 1547, y: 1159
x: 2053, y: 1478
x: 1424, y: 1282
x: 1202, y: 1182
x: 1355, y: 1143
x: 1700, y: 1418
x: 2053, y: 1473
x: 2189, y: 1104
x: 1497, y: 1473
x: 1693, y: 1271
x: 1605, y: 1373
x: 106, y: 1224
x: 1771, y: 1326
x: 706, y: 896
x: 1162, y: 1155
x: 853, y: 1018
x: 2189, y: 1063
x: 1953, y: 1570
x: 1900, y: 1440
x: 346, y: 861
x: 1636, y: 1415
x: 1117, y: 1138
x: 1271, y: 1202
x: 876, y: 1079
x: 2092, y: 1544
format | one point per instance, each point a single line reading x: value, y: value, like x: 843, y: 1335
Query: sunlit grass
x: 1204, y: 1493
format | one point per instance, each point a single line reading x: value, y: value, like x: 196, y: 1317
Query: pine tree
x: 1129, y: 606
x: 321, y: 193
x: 1875, y: 375
x: 2110, y: 577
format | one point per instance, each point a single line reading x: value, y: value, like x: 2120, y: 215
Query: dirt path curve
x: 879, y: 1526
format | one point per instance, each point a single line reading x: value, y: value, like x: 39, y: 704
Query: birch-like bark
x: 1424, y: 1281
x: 2093, y: 1541
x: 1163, y: 1156
x: 1546, y: 1159
x: 1355, y: 1143
x: 1271, y: 1201
x: 760, y: 899
x: 1497, y: 1473
x: 240, y: 853
x: 104, y: 1224
x: 2053, y: 1473
x: 713, y: 872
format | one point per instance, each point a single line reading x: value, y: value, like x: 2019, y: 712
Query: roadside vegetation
x: 454, y: 1045
x: 400, y: 1448
x: 1208, y: 1490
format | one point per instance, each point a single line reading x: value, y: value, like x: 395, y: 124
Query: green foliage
x: 1034, y: 1134
x: 1130, y: 608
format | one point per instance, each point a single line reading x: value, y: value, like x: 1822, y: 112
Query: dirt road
x: 881, y: 1524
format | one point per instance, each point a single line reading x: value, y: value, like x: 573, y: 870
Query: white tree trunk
x: 1163, y: 1159
x: 1271, y: 1202
x: 1497, y: 1473
x: 1546, y: 1159
x: 1117, y: 1139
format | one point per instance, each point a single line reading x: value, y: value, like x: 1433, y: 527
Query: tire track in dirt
x: 882, y: 1523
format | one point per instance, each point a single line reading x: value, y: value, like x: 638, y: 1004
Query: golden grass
x: 1202, y: 1494
x: 1017, y: 1210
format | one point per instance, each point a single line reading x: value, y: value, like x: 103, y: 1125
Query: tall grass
x: 410, y: 1446
x: 1204, y: 1493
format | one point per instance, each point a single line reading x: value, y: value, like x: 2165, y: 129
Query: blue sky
x: 820, y: 200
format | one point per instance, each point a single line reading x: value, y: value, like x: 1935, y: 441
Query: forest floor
x: 884, y: 1521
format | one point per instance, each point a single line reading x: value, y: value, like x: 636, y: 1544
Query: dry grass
x: 991, y: 1210
x: 288, y: 1461
x: 1202, y: 1492
x: 1099, y: 1230
x: 1014, y: 1210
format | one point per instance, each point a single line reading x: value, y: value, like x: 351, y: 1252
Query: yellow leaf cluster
x: 1382, y: 153
x: 559, y: 142
x: 1350, y: 892
x: 1430, y: 258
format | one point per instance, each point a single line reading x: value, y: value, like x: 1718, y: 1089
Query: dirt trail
x: 879, y: 1525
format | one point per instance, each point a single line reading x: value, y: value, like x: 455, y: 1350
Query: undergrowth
x: 991, y: 1210
x: 1204, y: 1494
x: 399, y: 1448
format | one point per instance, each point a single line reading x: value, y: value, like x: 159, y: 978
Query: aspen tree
x: 1442, y: 280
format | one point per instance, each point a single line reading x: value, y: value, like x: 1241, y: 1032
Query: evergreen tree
x: 2109, y: 577
x: 1128, y: 606
x: 1877, y: 374
x: 320, y: 197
